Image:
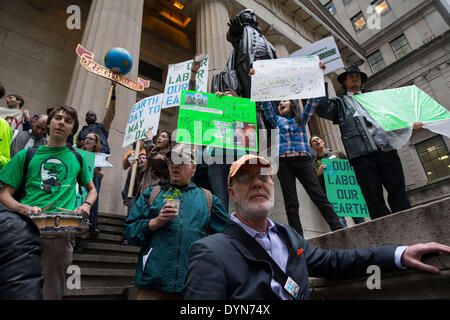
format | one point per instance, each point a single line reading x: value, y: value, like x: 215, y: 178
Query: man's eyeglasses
x: 246, y: 177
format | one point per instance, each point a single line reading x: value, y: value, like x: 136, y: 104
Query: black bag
x: 228, y: 78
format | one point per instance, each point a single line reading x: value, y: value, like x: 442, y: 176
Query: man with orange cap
x: 257, y: 259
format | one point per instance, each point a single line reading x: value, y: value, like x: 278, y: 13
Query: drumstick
x: 66, y: 210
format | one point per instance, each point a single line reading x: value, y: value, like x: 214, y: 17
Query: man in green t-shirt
x: 51, y: 177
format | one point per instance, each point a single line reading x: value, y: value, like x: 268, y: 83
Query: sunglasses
x: 89, y: 138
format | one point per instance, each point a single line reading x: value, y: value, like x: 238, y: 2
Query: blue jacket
x: 221, y: 268
x: 163, y: 258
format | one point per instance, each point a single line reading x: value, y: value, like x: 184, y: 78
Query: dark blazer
x: 220, y: 268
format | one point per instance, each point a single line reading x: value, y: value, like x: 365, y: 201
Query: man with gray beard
x: 257, y: 259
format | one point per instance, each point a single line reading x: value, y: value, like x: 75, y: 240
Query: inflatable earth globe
x: 119, y: 60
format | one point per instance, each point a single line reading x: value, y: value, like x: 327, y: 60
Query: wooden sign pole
x: 134, y: 169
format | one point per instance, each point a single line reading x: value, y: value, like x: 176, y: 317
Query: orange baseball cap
x: 247, y: 159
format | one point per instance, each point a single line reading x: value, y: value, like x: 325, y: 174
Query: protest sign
x: 14, y: 117
x: 144, y: 115
x: 399, y: 108
x: 225, y: 122
x: 87, y: 62
x: 100, y: 160
x: 343, y: 190
x: 178, y: 76
x: 327, y: 51
x: 284, y: 79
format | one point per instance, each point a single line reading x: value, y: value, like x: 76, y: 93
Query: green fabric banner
x: 401, y: 107
x: 210, y: 120
x: 343, y: 190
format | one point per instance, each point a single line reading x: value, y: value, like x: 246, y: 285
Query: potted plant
x: 173, y: 197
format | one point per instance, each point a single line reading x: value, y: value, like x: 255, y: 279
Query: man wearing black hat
x: 375, y: 161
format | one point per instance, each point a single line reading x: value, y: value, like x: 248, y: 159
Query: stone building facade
x: 38, y: 60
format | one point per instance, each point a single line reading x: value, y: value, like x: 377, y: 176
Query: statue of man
x: 249, y: 45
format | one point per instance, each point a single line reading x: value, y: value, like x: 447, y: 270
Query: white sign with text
x: 327, y: 51
x: 144, y: 115
x: 285, y: 79
x: 178, y: 76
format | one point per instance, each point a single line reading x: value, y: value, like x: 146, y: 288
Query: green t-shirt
x: 52, y: 176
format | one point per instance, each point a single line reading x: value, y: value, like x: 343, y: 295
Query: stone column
x: 212, y: 17
x: 280, y: 43
x: 111, y: 23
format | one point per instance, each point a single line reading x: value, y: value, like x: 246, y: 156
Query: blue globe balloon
x: 119, y: 60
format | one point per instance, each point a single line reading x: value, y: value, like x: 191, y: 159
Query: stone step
x: 107, y: 237
x: 109, y: 249
x: 110, y: 222
x: 96, y: 293
x: 111, y: 216
x: 106, y: 277
x: 81, y: 257
x: 110, y: 229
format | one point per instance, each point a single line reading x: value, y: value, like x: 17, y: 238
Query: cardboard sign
x: 210, y: 120
x: 87, y: 61
x: 285, y: 79
x: 178, y: 76
x: 327, y: 51
x: 144, y: 115
x: 343, y: 190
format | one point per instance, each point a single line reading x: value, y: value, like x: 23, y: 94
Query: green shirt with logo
x: 52, y: 176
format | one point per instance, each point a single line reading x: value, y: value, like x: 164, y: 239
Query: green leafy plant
x: 173, y: 194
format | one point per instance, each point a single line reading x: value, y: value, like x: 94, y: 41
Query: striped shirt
x: 293, y: 138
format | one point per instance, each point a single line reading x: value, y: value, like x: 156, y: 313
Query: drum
x: 61, y: 224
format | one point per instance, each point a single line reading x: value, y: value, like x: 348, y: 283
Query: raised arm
x: 195, y: 67
x: 111, y: 112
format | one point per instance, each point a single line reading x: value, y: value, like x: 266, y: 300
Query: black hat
x: 352, y: 69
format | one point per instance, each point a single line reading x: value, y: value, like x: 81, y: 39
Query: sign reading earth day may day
x: 210, y: 120
x: 144, y: 115
x: 178, y: 76
x: 343, y: 190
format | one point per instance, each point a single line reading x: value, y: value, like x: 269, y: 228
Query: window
x: 346, y: 2
x: 376, y: 61
x: 359, y: 22
x: 330, y: 7
x: 150, y: 71
x: 400, y: 46
x: 433, y: 154
x: 381, y: 6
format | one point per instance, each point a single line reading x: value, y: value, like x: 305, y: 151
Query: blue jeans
x: 218, y: 179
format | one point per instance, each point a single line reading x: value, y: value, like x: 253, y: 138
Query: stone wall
x: 37, y: 50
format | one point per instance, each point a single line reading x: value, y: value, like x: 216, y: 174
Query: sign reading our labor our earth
x: 224, y: 122
x: 144, y: 115
x: 178, y: 76
x: 343, y: 190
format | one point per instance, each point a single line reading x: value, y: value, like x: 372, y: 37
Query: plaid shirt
x: 293, y: 137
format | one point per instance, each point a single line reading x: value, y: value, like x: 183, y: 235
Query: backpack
x: 19, y: 194
x: 157, y: 190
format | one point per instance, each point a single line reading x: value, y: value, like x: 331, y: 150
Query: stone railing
x: 426, y: 223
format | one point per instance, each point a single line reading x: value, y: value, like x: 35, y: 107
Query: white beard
x: 254, y: 211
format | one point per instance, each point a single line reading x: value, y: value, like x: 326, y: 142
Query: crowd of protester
x: 178, y: 258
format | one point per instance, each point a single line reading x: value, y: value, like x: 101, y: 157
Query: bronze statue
x: 249, y: 44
